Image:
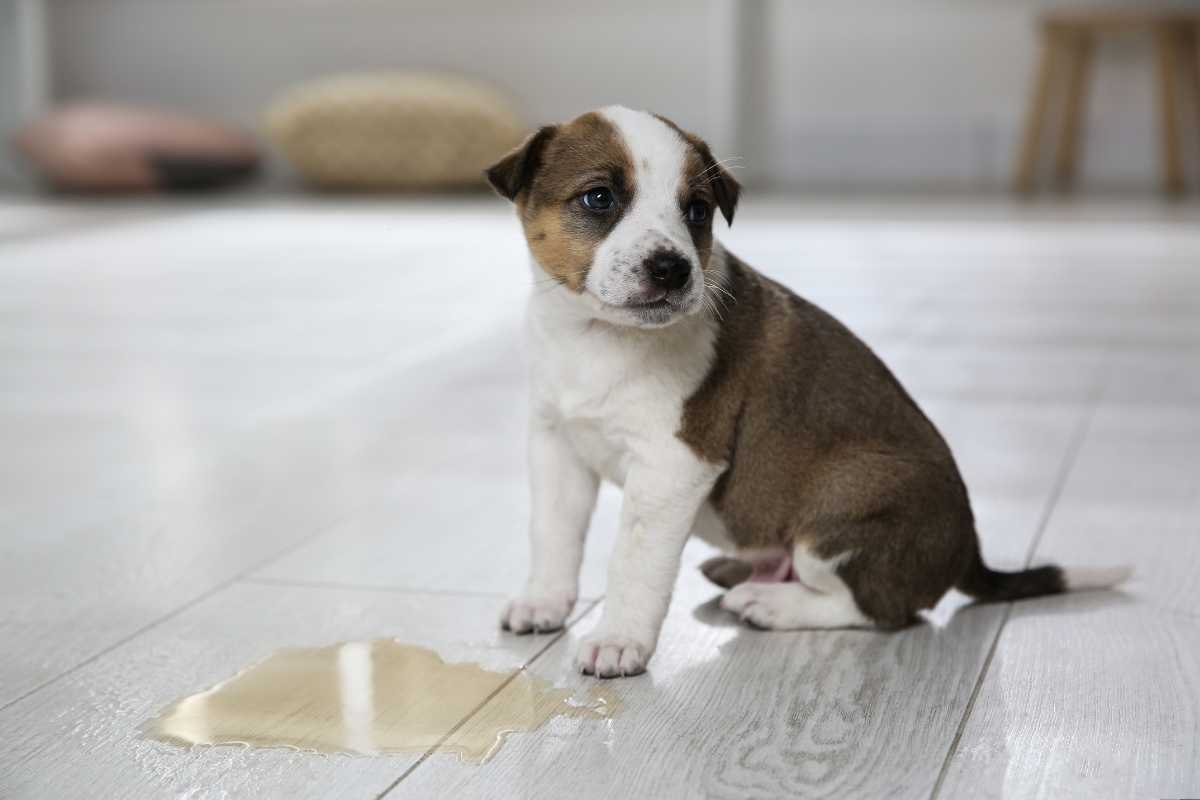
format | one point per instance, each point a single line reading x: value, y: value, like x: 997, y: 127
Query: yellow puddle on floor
x: 372, y: 697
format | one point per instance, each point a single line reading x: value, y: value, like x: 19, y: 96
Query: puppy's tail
x: 987, y: 585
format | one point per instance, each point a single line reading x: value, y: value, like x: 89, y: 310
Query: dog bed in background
x: 106, y: 148
x: 393, y: 131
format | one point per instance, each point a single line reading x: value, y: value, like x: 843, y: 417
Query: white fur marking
x: 1084, y: 578
x: 792, y: 606
x: 654, y: 220
x: 817, y: 599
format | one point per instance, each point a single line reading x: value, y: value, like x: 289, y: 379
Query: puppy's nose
x: 667, y: 269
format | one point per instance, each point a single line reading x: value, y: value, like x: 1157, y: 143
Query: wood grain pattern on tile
x: 728, y: 712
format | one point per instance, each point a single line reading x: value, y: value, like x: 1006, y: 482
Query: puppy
x: 724, y: 405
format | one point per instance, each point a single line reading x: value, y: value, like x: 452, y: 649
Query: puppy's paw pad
x: 611, y: 657
x: 540, y: 613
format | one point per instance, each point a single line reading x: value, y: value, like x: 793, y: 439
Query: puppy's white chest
x: 602, y: 410
x: 603, y: 453
x: 618, y: 396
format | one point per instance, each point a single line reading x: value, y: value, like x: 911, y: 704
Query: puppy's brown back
x: 826, y: 448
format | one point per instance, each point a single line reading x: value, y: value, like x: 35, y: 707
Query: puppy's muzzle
x: 667, y: 269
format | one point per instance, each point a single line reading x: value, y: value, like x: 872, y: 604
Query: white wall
x: 934, y: 92
x: 230, y: 57
x: 864, y: 93
x: 23, y: 73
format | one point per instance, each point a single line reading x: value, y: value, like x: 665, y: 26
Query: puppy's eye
x: 697, y: 212
x: 600, y: 199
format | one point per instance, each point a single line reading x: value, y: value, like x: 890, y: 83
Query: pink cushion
x: 110, y: 148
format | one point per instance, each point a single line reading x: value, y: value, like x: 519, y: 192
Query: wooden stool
x: 1068, y: 38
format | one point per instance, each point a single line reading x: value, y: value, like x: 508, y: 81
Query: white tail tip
x: 1084, y: 578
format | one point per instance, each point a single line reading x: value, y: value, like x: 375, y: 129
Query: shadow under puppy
x: 724, y: 405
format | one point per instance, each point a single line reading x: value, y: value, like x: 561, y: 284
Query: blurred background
x: 262, y: 379
x: 874, y: 95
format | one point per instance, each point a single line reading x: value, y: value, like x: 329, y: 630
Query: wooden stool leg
x: 1035, y: 119
x: 1166, y: 48
x: 1079, y: 51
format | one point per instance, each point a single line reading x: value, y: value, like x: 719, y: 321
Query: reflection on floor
x: 236, y: 428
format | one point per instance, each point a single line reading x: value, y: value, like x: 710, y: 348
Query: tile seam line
x: 1068, y: 464
x: 482, y: 703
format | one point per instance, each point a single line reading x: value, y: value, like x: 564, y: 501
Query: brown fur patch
x: 694, y: 185
x: 566, y: 256
x: 826, y: 448
x: 585, y: 153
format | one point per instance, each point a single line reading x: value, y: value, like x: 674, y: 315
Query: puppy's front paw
x: 537, y: 613
x: 607, y: 656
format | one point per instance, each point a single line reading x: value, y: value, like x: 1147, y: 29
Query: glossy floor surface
x: 232, y: 428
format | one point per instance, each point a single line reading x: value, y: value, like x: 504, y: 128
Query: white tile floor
x: 231, y: 428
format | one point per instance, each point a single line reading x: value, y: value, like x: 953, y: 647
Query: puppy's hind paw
x: 754, y: 604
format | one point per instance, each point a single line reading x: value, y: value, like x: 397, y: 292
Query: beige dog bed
x: 393, y: 131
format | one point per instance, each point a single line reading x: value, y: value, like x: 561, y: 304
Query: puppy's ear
x: 725, y: 188
x: 513, y: 173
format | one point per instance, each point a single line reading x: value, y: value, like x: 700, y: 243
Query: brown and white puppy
x: 724, y: 405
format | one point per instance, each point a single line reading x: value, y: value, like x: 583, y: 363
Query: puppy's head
x: 617, y: 207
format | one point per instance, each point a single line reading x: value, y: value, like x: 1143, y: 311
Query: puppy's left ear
x: 725, y: 188
x: 512, y: 174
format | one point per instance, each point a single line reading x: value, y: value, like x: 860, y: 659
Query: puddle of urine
x: 373, y: 697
